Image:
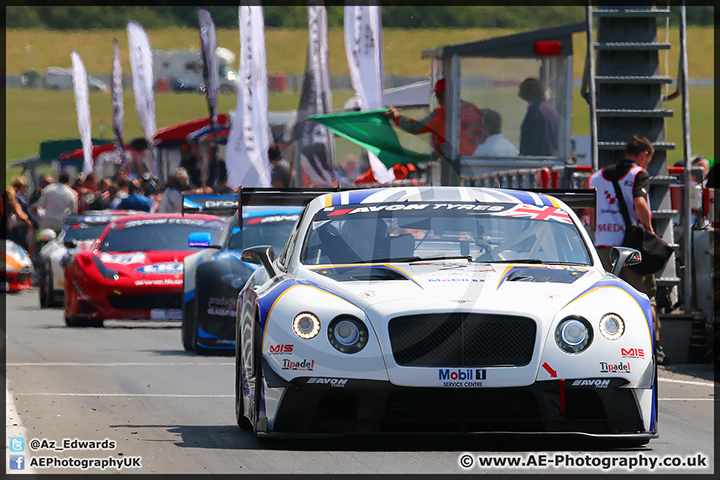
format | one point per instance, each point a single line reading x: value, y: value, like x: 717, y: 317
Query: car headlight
x: 306, y: 325
x: 347, y: 334
x: 573, y: 334
x: 104, y: 270
x: 612, y: 326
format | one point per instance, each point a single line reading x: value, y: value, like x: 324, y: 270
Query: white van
x: 183, y: 70
x: 61, y: 79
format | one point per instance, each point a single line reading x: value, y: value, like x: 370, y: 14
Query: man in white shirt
x: 172, y: 197
x: 495, y: 145
x: 58, y: 200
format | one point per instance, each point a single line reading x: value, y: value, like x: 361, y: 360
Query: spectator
x: 20, y: 221
x: 57, y: 200
x: 634, y: 183
x: 191, y: 163
x: 137, y: 159
x: 43, y: 182
x: 347, y: 171
x: 172, y: 198
x: 702, y: 162
x: 495, y: 144
x: 135, y: 199
x: 123, y: 190
x: 77, y: 182
x: 86, y: 192
x: 472, y: 132
x: 222, y: 187
x: 540, y: 130
x: 280, y: 173
x: 102, y: 197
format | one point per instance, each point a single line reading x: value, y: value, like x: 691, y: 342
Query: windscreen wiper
x: 521, y: 260
x: 432, y: 259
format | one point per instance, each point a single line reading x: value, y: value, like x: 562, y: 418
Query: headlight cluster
x: 306, y: 325
x: 104, y: 270
x: 573, y: 334
x: 612, y: 326
x: 347, y: 334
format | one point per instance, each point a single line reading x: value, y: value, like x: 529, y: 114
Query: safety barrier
x: 563, y: 176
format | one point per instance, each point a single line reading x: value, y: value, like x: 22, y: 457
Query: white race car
x: 443, y: 309
x: 78, y: 232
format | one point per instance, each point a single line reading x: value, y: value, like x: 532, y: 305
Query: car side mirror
x: 261, y: 255
x: 70, y: 244
x: 621, y: 257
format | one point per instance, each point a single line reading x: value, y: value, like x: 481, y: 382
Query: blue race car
x: 214, y: 276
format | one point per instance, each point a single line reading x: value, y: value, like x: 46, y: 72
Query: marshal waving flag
x: 246, y: 152
x: 363, y: 45
x: 314, y: 141
x: 82, y: 105
x: 141, y: 64
x: 117, y: 103
x: 208, y: 43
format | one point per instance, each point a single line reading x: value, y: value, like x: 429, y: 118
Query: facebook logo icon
x: 17, y: 462
x: 17, y: 444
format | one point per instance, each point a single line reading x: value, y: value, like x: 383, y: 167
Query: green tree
x: 23, y: 17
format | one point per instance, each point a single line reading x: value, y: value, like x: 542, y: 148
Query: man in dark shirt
x: 540, y: 129
x: 280, y: 173
x: 135, y: 199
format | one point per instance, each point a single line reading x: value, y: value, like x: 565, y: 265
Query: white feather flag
x: 246, y: 153
x: 363, y: 45
x: 141, y: 63
x: 82, y: 105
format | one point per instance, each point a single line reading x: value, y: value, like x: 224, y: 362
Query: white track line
x: 118, y: 364
x: 171, y: 395
x: 14, y: 428
x: 687, y: 399
x: 687, y: 382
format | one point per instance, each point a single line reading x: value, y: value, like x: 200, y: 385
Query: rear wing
x: 575, y: 199
x: 220, y: 205
x: 278, y: 197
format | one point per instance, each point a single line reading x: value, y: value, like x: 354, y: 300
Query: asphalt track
x: 132, y: 383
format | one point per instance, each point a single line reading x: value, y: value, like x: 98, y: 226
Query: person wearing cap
x: 472, y: 131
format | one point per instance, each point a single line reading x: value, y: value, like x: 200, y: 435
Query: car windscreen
x: 84, y: 231
x: 481, y: 232
x: 157, y: 234
x: 271, y: 230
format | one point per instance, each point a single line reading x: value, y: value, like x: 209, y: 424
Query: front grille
x: 144, y: 302
x: 462, y: 339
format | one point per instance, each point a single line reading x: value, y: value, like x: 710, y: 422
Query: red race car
x: 134, y: 270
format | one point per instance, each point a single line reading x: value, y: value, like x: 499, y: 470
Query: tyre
x: 42, y: 286
x: 188, y: 327
x: 73, y: 321
x: 257, y: 352
x: 199, y: 349
x: 50, y: 301
x: 240, y: 417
